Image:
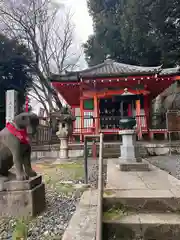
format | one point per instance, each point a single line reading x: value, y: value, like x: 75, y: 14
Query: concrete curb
x: 82, y: 225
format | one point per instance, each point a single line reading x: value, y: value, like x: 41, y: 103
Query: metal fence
x: 44, y: 136
x: 105, y: 124
x: 87, y: 125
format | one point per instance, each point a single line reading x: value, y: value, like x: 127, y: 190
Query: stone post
x: 63, y: 135
x: 129, y: 151
x: 63, y: 154
x: 130, y: 159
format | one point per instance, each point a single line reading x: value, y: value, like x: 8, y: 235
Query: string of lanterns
x: 116, y: 80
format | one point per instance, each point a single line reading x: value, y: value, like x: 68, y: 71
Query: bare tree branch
x: 36, y: 23
x: 40, y: 100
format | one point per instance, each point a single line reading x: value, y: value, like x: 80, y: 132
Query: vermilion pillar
x: 27, y: 104
x: 81, y: 118
x: 129, y: 110
x: 96, y: 114
x: 147, y: 110
x: 138, y: 119
x: 73, y: 111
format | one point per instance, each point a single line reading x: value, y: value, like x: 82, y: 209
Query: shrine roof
x: 110, y: 68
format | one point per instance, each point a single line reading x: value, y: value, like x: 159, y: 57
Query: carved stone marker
x: 22, y: 192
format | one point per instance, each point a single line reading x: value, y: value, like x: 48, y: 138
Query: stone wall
x: 110, y: 150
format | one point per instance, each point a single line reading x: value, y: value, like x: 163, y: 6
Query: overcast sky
x: 81, y: 17
x: 83, y: 24
x: 83, y: 28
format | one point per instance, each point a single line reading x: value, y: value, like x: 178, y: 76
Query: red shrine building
x: 100, y: 95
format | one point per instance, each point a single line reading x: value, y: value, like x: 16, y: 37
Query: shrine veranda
x: 103, y: 94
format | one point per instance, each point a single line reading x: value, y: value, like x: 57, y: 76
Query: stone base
x: 133, y: 166
x: 130, y: 152
x: 23, y: 198
x: 130, y: 160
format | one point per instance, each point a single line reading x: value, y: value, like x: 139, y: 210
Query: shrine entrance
x: 117, y: 107
x: 114, y: 90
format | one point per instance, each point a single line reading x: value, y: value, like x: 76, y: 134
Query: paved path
x: 170, y: 164
x: 156, y: 179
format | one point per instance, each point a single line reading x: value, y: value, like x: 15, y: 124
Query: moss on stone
x: 109, y: 192
x: 116, y: 212
x: 113, y: 214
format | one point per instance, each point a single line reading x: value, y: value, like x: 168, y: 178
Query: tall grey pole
x: 86, y: 160
x: 100, y: 191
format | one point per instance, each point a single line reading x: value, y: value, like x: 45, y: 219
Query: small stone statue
x: 15, y: 148
x: 63, y: 119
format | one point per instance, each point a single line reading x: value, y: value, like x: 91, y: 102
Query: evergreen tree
x: 15, y: 60
x: 139, y: 32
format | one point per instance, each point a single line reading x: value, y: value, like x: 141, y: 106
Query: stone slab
x: 23, y: 203
x: 156, y: 193
x: 166, y: 181
x: 136, y: 193
x: 83, y: 223
x: 176, y: 192
x: 145, y: 226
x: 142, y: 200
x: 117, y: 179
x: 23, y: 185
x: 136, y: 166
x: 155, y: 179
x: 147, y: 219
x: 89, y: 198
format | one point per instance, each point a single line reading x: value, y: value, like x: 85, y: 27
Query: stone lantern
x: 130, y: 159
x: 63, y: 119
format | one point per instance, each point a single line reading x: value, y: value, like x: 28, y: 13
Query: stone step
x: 133, y: 166
x: 142, y: 200
x: 144, y: 226
x: 111, y: 154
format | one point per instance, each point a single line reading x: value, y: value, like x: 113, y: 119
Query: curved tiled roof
x: 112, y: 68
x: 170, y: 71
x: 115, y: 68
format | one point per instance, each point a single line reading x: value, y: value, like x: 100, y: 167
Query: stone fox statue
x: 15, y: 148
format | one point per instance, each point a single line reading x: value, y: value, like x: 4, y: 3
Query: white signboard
x: 11, y: 105
x: 41, y: 112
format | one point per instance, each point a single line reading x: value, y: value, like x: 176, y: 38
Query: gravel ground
x: 171, y: 164
x: 60, y: 208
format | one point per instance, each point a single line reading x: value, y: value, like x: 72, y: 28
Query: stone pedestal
x: 22, y: 198
x: 63, y: 154
x: 130, y: 159
x: 63, y: 135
